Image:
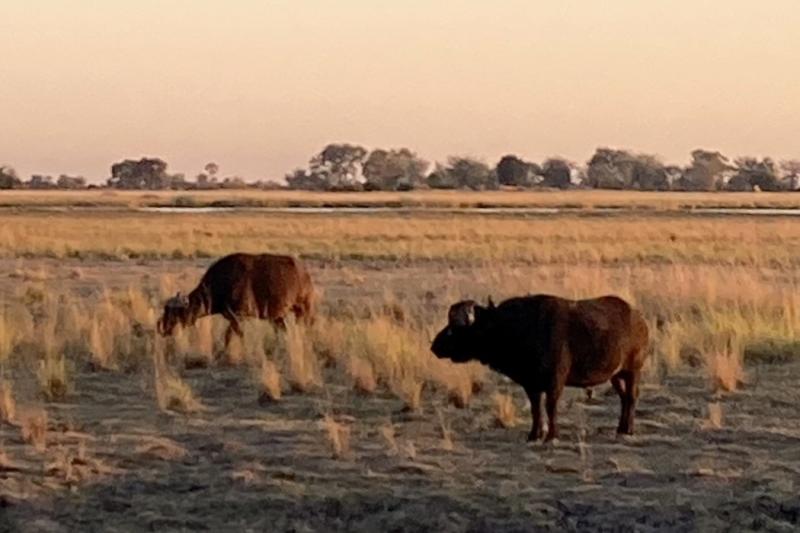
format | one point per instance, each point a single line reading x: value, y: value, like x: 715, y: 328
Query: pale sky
x: 258, y: 86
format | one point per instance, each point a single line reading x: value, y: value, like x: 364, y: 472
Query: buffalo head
x: 461, y: 340
x: 176, y: 312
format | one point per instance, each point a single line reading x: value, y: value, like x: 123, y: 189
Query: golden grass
x: 389, y: 438
x: 698, y: 307
x: 34, y: 429
x: 8, y: 338
x: 304, y: 372
x: 696, y: 279
x: 714, y: 420
x: 338, y: 436
x: 725, y: 365
x: 198, y: 344
x: 269, y: 381
x: 52, y: 375
x: 172, y: 393
x: 8, y: 407
x: 466, y: 239
x: 445, y: 432
x: 431, y: 198
x: 505, y: 414
x: 363, y: 375
x: 101, y: 343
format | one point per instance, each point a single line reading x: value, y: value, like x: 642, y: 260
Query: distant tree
x: 71, y: 182
x: 556, y: 173
x: 146, y: 173
x: 610, y: 169
x: 38, y: 181
x: 649, y: 174
x: 463, y: 173
x: 673, y: 174
x: 790, y: 178
x: 340, y: 166
x: 303, y: 180
x: 394, y: 170
x: 752, y: 173
x: 620, y: 169
x: 8, y: 178
x: 511, y: 170
x: 705, y: 173
x: 439, y: 178
x: 211, y: 170
x: 233, y: 182
x: 268, y: 185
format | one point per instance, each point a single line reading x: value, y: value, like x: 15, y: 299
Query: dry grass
x: 338, y: 436
x: 101, y: 343
x: 725, y: 365
x: 303, y: 365
x: 455, y: 239
x: 409, y: 390
x: 446, y: 433
x: 269, y: 382
x: 388, y: 433
x: 363, y: 375
x: 34, y: 428
x: 198, y: 349
x: 7, y: 337
x: 172, y: 393
x: 714, y: 420
x: 432, y: 198
x: 52, y: 371
x: 8, y: 407
x: 52, y: 376
x: 698, y: 279
x: 505, y: 414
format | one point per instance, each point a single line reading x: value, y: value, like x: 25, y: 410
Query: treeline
x: 347, y: 167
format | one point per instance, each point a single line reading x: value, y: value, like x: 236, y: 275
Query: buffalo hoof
x: 625, y: 429
x: 535, y: 435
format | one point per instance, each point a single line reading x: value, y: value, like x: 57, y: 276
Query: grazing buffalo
x: 240, y: 285
x: 545, y: 343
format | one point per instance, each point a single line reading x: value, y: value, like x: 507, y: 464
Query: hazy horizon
x: 259, y: 87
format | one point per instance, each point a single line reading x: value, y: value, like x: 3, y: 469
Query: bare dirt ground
x: 114, y: 462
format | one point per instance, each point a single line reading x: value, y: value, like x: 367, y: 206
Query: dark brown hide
x: 545, y: 343
x: 240, y: 285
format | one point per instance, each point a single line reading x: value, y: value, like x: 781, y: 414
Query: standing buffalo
x: 245, y: 285
x: 544, y: 343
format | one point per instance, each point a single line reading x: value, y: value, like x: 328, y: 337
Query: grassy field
x: 353, y: 424
x: 586, y: 199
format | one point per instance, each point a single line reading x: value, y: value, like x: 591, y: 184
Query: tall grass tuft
x: 172, y: 393
x: 304, y: 371
x: 8, y: 410
x: 724, y: 361
x: 34, y: 429
x: 505, y: 415
x: 338, y: 436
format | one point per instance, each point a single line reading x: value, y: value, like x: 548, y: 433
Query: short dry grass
x: 719, y: 293
x: 429, y: 199
x: 392, y: 239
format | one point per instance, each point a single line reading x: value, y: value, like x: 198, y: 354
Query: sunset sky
x: 258, y: 86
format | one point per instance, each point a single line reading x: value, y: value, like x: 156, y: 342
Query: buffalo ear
x: 490, y: 302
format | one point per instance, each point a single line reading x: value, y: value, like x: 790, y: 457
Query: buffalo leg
x: 233, y: 327
x: 623, y: 385
x: 632, y: 394
x: 535, y: 398
x: 280, y: 323
x: 551, y: 403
